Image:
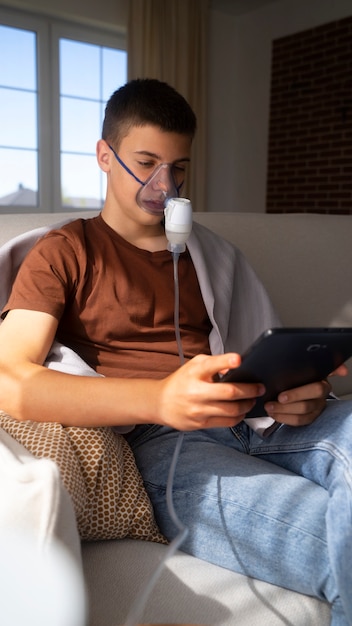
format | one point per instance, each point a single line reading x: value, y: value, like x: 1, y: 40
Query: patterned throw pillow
x: 98, y: 469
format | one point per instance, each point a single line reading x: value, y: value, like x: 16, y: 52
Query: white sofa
x: 305, y: 262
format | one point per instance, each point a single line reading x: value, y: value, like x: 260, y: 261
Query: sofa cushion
x: 98, y: 470
x: 188, y: 591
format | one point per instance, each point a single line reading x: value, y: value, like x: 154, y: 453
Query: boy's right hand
x: 191, y: 400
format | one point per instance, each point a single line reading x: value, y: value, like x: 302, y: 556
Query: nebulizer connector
x: 178, y: 223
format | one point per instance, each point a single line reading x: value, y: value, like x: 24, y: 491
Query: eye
x: 179, y: 171
x: 147, y: 164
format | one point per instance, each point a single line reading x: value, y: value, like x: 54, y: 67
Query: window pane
x: 79, y: 69
x: 18, y: 48
x: 19, y: 177
x: 88, y: 76
x: 81, y: 181
x: 18, y: 115
x: 80, y: 125
x: 114, y: 71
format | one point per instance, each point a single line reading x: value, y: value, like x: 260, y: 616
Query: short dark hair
x: 147, y: 101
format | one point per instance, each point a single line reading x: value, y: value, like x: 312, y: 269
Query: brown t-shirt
x: 114, y: 302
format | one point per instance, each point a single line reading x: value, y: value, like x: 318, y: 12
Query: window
x: 55, y: 79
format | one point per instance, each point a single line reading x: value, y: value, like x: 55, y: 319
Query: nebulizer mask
x: 157, y: 189
x: 159, y: 195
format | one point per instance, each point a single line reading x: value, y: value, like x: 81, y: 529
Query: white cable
x: 134, y: 615
x: 176, y: 256
x: 169, y: 498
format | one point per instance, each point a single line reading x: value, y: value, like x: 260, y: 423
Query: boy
x: 104, y: 287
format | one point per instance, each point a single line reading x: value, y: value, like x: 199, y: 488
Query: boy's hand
x: 190, y: 399
x: 302, y: 405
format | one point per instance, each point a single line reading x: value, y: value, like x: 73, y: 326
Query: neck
x: 147, y: 236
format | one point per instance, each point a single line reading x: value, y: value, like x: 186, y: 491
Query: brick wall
x: 310, y: 131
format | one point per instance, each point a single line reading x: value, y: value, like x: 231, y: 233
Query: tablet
x: 284, y: 358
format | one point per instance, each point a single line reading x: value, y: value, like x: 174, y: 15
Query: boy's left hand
x: 301, y: 406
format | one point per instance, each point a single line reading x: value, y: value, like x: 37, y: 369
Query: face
x: 141, y: 152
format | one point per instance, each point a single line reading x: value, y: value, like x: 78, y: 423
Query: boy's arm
x: 30, y: 391
x: 186, y: 400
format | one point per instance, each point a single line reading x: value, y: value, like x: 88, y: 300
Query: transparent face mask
x: 157, y: 189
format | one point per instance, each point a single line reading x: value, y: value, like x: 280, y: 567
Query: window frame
x: 49, y: 30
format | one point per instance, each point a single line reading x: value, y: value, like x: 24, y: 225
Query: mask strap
x: 126, y: 167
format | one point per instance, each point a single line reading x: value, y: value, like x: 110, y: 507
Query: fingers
x: 313, y: 391
x: 210, y: 366
x: 300, y: 406
x: 300, y: 415
x: 217, y: 414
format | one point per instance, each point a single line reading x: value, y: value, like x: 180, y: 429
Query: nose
x: 163, y: 180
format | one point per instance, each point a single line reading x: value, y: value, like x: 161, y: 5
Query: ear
x: 103, y: 153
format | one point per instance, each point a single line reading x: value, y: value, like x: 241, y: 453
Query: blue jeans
x: 278, y: 509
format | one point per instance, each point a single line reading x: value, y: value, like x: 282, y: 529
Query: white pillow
x: 36, y: 500
x: 38, y: 539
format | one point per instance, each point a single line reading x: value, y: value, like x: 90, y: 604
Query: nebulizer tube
x: 178, y: 226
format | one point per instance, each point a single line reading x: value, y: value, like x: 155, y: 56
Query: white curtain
x: 167, y: 39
